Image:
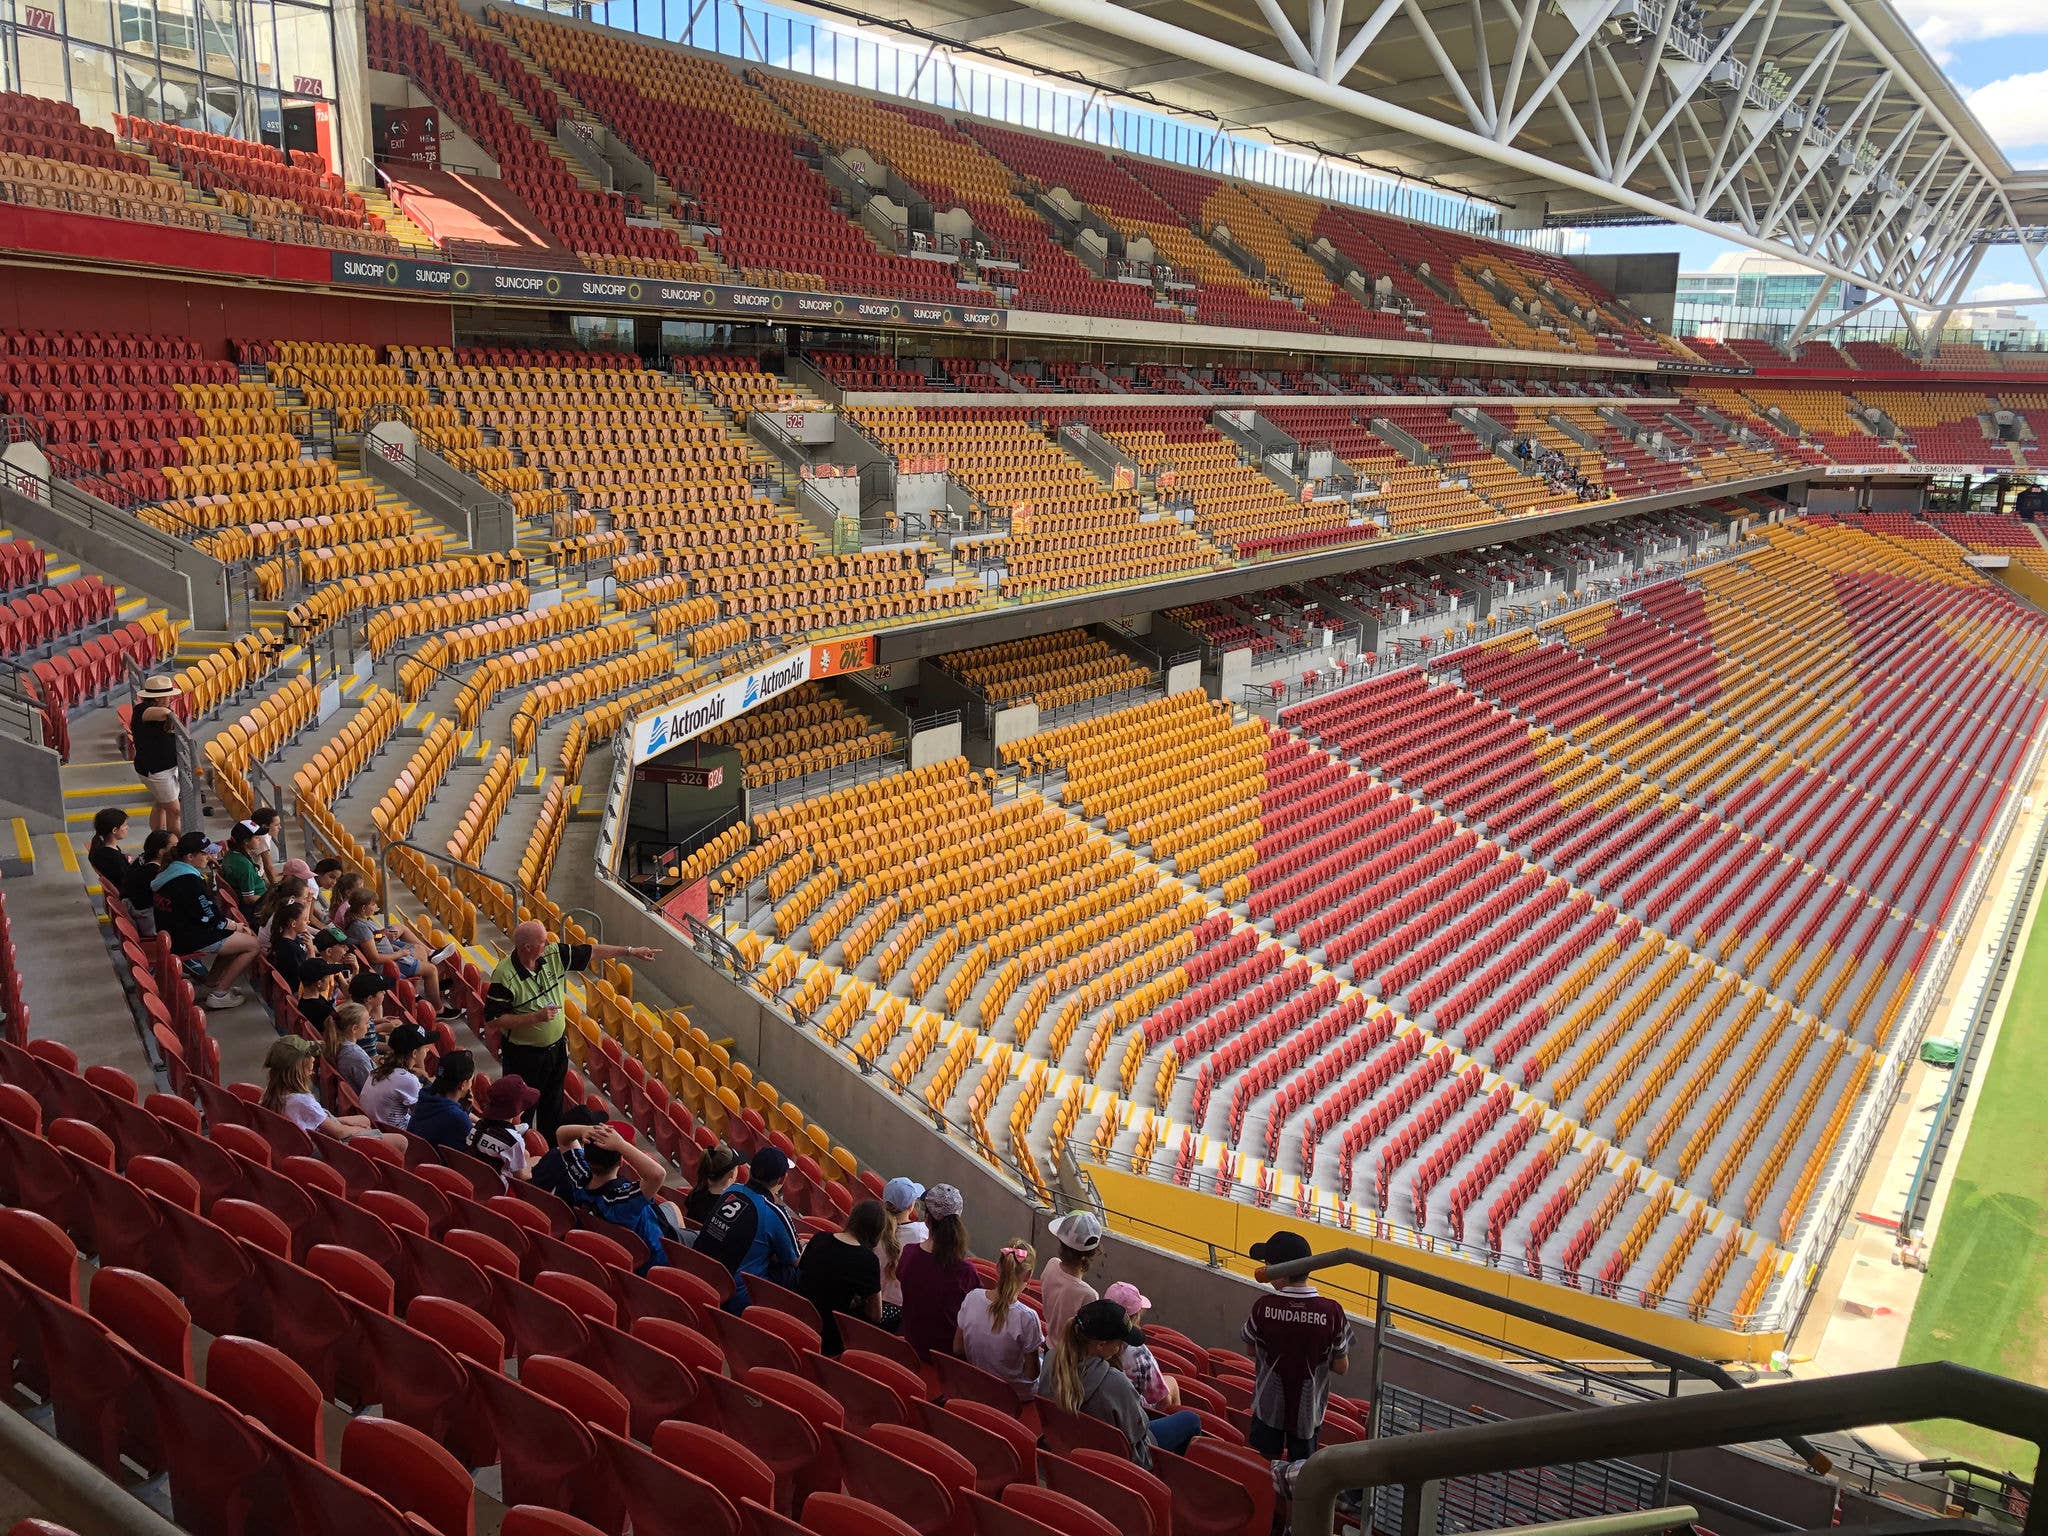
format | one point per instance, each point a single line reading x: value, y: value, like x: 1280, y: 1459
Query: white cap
x: 1079, y: 1230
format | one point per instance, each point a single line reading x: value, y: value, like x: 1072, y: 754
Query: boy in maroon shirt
x: 1298, y: 1340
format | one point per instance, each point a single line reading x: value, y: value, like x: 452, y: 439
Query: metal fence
x: 1524, y: 1496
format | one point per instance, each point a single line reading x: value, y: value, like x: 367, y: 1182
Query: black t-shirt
x: 290, y: 956
x: 108, y: 862
x: 700, y: 1202
x: 135, y: 888
x: 837, y: 1277
x: 156, y: 743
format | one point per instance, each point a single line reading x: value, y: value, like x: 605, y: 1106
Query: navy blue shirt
x: 621, y: 1201
x: 440, y: 1120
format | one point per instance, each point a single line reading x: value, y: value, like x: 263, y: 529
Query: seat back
x: 878, y: 1476
x: 661, y: 1497
x: 269, y: 1387
x: 1128, y: 1509
x: 412, y: 1471
x: 1056, y: 1510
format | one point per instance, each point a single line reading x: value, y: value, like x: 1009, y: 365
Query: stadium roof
x: 1816, y: 130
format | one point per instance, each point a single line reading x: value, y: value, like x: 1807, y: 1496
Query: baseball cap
x: 408, y: 1038
x: 510, y: 1097
x: 196, y: 842
x: 287, y: 1051
x: 320, y: 970
x: 1078, y: 1230
x: 328, y: 938
x: 1102, y: 1321
x: 768, y: 1165
x: 298, y: 869
x: 943, y: 1200
x: 1128, y: 1296
x: 1282, y: 1248
x: 369, y: 984
x: 900, y: 1194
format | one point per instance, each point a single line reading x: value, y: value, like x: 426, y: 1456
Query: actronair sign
x: 675, y: 723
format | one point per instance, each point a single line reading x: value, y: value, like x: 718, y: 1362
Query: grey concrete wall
x: 1648, y: 280
x: 938, y: 691
x: 34, y: 778
x: 1185, y: 676
x: 195, y: 587
x: 1234, y: 670
x: 919, y: 495
x: 935, y: 745
x: 1823, y: 497
x: 1014, y: 723
x: 462, y: 505
x: 1169, y: 636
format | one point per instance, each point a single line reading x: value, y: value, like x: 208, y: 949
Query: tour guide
x: 525, y: 1000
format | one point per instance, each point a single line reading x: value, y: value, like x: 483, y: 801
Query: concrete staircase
x: 396, y: 224
x: 158, y: 171
x: 665, y: 202
x: 763, y: 463
x: 454, y: 49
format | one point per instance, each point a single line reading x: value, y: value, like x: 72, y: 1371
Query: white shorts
x: 163, y: 787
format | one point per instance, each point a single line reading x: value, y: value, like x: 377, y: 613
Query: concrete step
x: 396, y: 223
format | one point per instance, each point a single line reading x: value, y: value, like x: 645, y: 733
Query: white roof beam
x: 1153, y: 32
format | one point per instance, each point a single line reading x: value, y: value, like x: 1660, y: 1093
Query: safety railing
x: 1920, y: 1190
x: 1825, y: 1405
x: 95, y: 516
x: 486, y: 504
x: 581, y: 142
x: 381, y: 849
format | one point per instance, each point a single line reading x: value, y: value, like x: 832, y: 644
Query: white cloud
x: 1999, y: 293
x: 2014, y: 111
x: 1943, y: 24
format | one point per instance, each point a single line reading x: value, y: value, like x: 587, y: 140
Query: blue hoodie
x: 185, y: 908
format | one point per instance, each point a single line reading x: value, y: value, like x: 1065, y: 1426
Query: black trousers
x: 546, y: 1070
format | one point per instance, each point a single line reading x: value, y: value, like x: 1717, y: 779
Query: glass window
x: 88, y: 21
x: 609, y: 332
x: 40, y: 63
x: 220, y: 38
x: 92, y: 84
x: 177, y: 32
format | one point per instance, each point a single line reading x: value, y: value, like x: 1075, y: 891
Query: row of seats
x: 1049, y: 671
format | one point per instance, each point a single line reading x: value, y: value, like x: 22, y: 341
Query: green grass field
x: 1985, y: 1300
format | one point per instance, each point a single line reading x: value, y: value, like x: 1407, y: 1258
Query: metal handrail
x: 488, y: 479
x: 380, y: 850
x: 399, y: 656
x: 70, y: 497
x: 1629, y: 1522
x: 1920, y: 1189
x: 1704, y: 1421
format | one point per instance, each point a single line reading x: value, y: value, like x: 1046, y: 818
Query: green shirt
x: 514, y: 989
x: 243, y: 875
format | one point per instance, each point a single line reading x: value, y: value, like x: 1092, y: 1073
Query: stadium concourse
x: 690, y: 661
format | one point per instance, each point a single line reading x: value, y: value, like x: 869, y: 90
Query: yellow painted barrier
x: 1188, y: 1223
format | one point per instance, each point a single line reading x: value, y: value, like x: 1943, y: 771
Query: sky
x: 1996, y: 53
